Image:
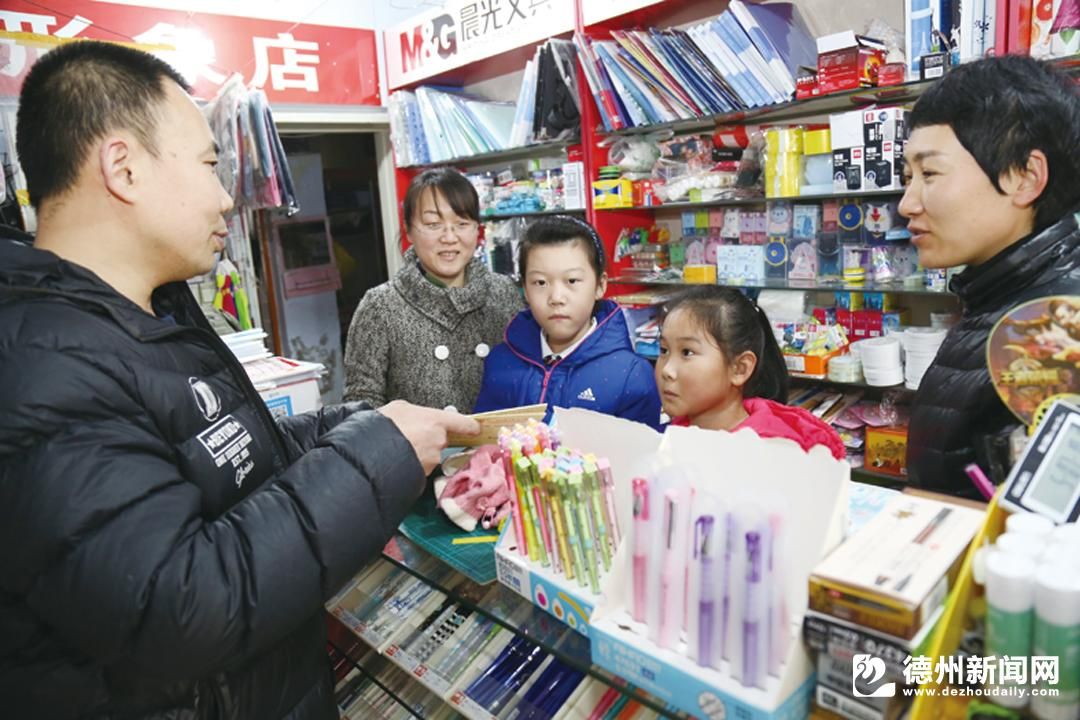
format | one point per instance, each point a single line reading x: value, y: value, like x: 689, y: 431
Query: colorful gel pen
x: 532, y: 516
x: 571, y: 530
x: 703, y: 553
x: 752, y: 610
x: 588, y: 546
x: 670, y: 575
x: 511, y: 485
x: 595, y: 495
x: 641, y: 548
x: 551, y: 485
x: 541, y: 510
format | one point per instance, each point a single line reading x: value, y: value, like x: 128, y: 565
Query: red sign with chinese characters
x: 310, y: 64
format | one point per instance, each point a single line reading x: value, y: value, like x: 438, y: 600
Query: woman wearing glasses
x: 423, y: 336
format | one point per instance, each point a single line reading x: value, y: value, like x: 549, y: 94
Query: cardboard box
x: 847, y: 61
x: 613, y: 193
x: 574, y: 185
x: 840, y: 638
x: 812, y: 365
x: 740, y: 264
x: 888, y: 576
x: 806, y: 85
x: 884, y: 135
x: 846, y: 132
x: 886, y: 450
x: 848, y: 168
x: 836, y: 691
x: 700, y: 274
x: 288, y: 387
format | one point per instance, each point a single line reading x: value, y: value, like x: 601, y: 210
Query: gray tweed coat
x: 411, y: 340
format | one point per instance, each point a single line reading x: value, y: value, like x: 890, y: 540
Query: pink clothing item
x: 477, y: 493
x: 772, y: 419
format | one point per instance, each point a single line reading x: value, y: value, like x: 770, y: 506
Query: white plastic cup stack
x: 881, y: 361
x: 845, y: 369
x: 921, y: 345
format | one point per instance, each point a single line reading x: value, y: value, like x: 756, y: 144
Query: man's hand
x: 426, y: 429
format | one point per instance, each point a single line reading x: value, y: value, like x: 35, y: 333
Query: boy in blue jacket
x: 569, y: 348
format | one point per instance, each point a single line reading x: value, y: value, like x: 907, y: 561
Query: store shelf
x: 537, y: 213
x: 742, y: 202
x: 373, y: 676
x: 521, y: 153
x: 822, y: 105
x: 513, y: 612
x: 862, y: 474
x: 863, y: 385
x: 800, y: 285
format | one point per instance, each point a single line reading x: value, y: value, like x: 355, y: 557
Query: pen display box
x: 807, y: 489
x: 569, y: 600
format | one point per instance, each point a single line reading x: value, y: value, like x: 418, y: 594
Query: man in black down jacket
x: 995, y: 184
x: 165, y: 547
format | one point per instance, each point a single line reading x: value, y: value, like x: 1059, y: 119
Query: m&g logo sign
x: 432, y: 38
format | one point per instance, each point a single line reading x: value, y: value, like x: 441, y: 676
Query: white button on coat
x: 450, y: 408
x: 442, y: 352
x: 482, y: 350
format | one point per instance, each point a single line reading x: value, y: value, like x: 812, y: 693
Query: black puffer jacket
x: 165, y: 549
x: 957, y: 416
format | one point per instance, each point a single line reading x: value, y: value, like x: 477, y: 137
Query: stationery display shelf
x: 504, y: 607
x: 521, y: 153
x: 357, y: 656
x: 537, y: 213
x: 799, y: 285
x: 761, y: 200
x: 863, y: 385
x: 822, y: 105
x: 792, y: 110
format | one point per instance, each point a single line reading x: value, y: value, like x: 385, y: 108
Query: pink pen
x: 979, y: 479
x: 515, y: 509
x: 641, y: 548
x: 612, y: 519
x: 670, y: 574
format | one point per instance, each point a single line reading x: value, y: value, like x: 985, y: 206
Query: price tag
x: 513, y: 574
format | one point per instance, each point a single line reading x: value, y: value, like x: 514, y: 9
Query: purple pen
x: 703, y: 553
x: 730, y: 539
x: 752, y: 610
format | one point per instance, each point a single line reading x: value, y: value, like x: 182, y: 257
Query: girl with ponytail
x: 720, y: 368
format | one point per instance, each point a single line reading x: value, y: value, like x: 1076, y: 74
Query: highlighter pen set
x: 707, y: 580
x: 564, y: 504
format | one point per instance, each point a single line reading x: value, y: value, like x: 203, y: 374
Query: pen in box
x: 570, y: 523
x: 588, y: 549
x: 608, y: 482
x: 640, y: 595
x: 703, y: 553
x: 752, y: 610
x: 524, y: 475
x: 551, y: 488
x: 595, y: 494
x: 670, y: 616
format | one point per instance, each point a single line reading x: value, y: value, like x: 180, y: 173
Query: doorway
x: 351, y: 188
